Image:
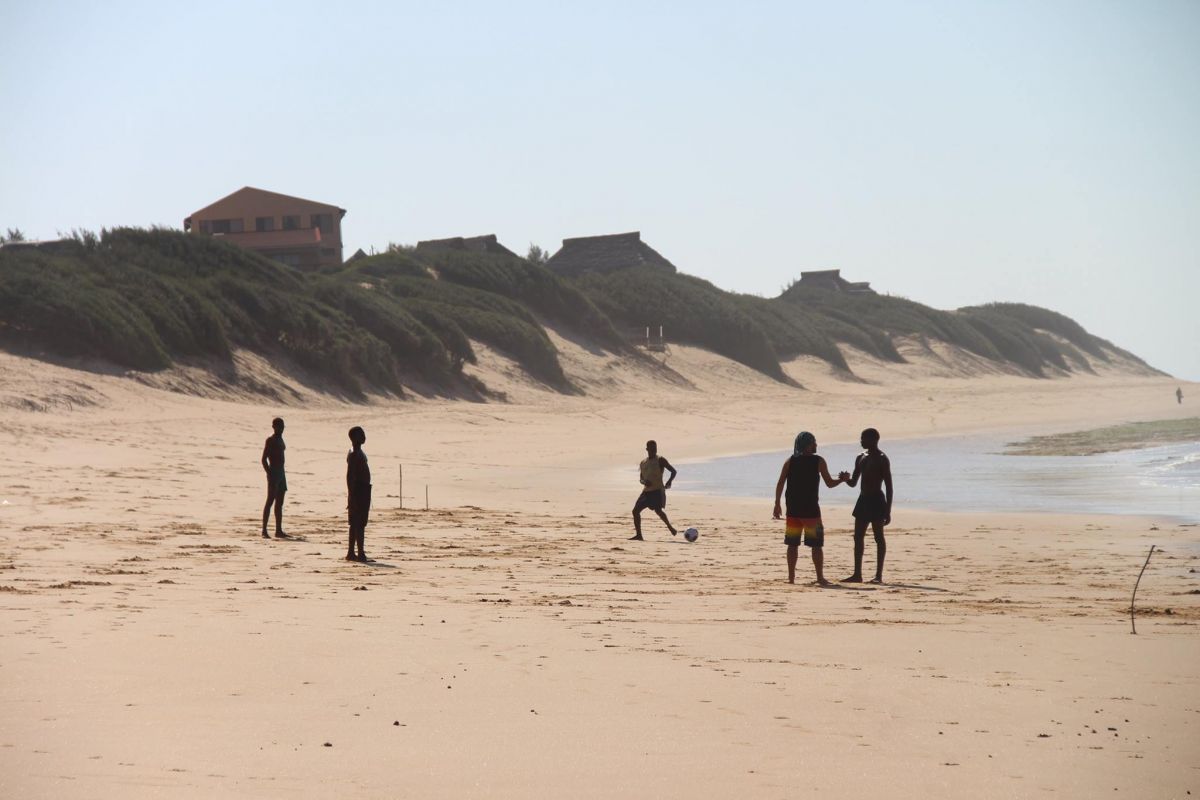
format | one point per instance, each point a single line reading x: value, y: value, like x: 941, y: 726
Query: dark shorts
x: 277, y: 481
x: 655, y: 500
x: 871, y: 507
x: 810, y: 531
x: 360, y: 506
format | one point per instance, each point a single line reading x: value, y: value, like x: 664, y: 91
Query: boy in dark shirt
x: 801, y: 474
x: 358, y: 493
x: 873, y: 508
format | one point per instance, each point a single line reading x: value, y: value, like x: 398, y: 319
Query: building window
x: 328, y: 252
x: 205, y: 226
x: 291, y: 259
x: 292, y: 222
x: 324, y: 222
x: 263, y: 224
x: 226, y: 226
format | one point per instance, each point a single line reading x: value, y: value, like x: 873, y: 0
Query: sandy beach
x: 510, y: 642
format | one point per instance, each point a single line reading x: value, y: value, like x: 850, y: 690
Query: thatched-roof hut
x: 471, y: 244
x: 606, y: 254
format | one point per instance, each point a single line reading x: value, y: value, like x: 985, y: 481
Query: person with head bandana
x: 801, y: 475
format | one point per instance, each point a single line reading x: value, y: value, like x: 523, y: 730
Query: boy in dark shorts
x: 654, y: 491
x: 873, y: 508
x: 358, y: 493
x: 272, y: 463
x: 801, y: 474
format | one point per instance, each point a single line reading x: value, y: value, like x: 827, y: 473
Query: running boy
x: 654, y: 491
x: 802, y: 473
x: 358, y: 493
x: 873, y: 508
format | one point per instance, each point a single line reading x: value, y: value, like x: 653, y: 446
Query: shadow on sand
x: 918, y: 587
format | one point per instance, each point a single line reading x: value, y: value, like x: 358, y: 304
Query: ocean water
x: 970, y: 473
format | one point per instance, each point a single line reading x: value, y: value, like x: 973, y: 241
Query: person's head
x: 277, y: 424
x: 869, y: 438
x: 357, y: 436
x: 652, y: 448
x: 806, y: 444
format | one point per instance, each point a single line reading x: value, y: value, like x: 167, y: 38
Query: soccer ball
x: 691, y: 534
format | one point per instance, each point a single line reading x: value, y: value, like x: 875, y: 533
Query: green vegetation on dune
x: 1007, y: 333
x: 144, y: 299
x: 691, y: 310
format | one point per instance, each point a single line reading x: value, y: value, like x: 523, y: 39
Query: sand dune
x: 510, y: 642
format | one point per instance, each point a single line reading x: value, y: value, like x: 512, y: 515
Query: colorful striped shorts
x: 808, y: 530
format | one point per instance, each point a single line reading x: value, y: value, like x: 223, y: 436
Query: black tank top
x: 802, y: 483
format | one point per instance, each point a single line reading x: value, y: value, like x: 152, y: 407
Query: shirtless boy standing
x: 272, y: 463
x: 873, y: 506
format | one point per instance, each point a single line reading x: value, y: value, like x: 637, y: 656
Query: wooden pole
x: 1133, y: 624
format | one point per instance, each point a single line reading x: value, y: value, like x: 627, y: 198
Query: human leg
x: 818, y: 557
x: 279, y: 534
x: 663, y: 516
x: 267, y: 509
x: 793, y: 551
x: 880, y: 550
x: 860, y: 535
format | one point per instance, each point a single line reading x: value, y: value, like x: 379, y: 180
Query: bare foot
x: 350, y: 557
x: 637, y: 537
x: 672, y: 530
x: 877, y: 579
x: 823, y: 582
x: 282, y: 535
x: 362, y: 557
x: 852, y: 579
x: 265, y: 534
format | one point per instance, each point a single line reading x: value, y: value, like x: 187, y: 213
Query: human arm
x: 266, y: 460
x: 887, y: 485
x: 824, y: 470
x: 783, y: 474
x: 667, y: 466
x: 853, y: 481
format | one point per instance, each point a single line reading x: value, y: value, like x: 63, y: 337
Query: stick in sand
x: 1132, y: 624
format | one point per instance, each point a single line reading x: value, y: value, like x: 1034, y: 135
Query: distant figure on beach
x: 358, y: 493
x: 272, y: 462
x: 1179, y: 395
x: 874, y: 507
x: 801, y: 474
x: 654, y: 491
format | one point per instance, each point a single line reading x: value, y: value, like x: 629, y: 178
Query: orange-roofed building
x: 297, y: 232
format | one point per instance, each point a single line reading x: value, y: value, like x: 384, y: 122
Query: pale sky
x: 951, y: 152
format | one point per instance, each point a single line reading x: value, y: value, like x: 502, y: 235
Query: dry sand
x: 510, y: 642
